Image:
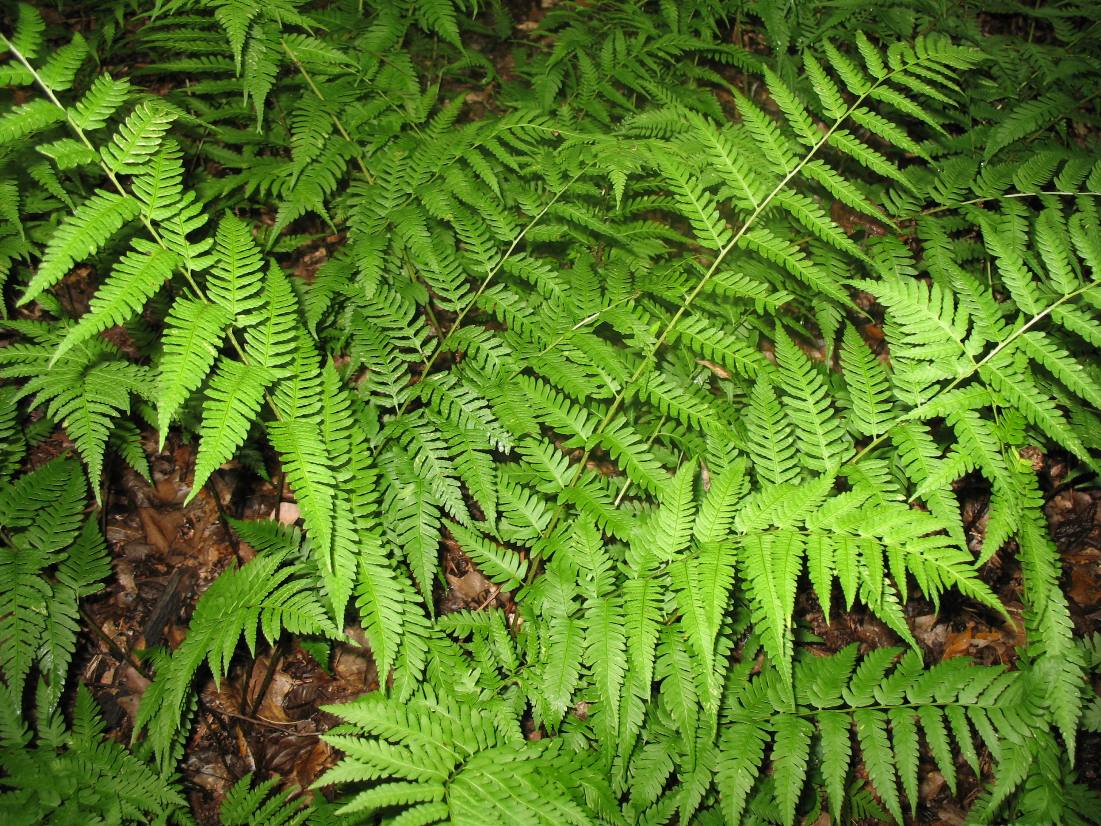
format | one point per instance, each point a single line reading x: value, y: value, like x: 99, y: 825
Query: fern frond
x: 1026, y: 118
x: 78, y: 775
x: 102, y: 100
x: 927, y: 325
x: 792, y: 748
x: 667, y: 532
x: 628, y: 449
x: 715, y: 515
x: 696, y: 204
x: 643, y: 613
x: 90, y: 227
x: 823, y: 442
x: 261, y: 594
x: 27, y: 120
x: 235, y: 18
x: 135, y: 278
x: 245, y: 804
x: 137, y: 138
x: 703, y: 586
x: 29, y: 26
x: 306, y: 465
x: 711, y: 342
x: 432, y: 463
x: 786, y: 254
x: 192, y: 337
x: 236, y: 280
x: 871, y: 733
x: 770, y: 568
x: 270, y: 342
x: 869, y: 389
x: 835, y: 730
x: 1008, y: 377
x: 88, y: 406
x: 234, y: 396
x: 741, y: 180
x: 501, y: 565
x: 770, y: 440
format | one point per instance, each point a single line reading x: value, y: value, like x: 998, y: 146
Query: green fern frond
x: 261, y: 593
x: 770, y: 568
x: 715, y: 515
x: 48, y: 562
x: 818, y: 429
x: 244, y: 804
x: 90, y: 227
x: 235, y: 281
x: 869, y: 389
x: 235, y: 18
x: 500, y: 565
x: 234, y: 396
x: 1027, y: 118
x: 696, y: 204
x: 714, y: 343
x: 102, y: 100
x: 136, y: 277
x: 593, y: 334
x: 270, y: 342
x: 770, y: 440
x: 628, y: 449
x: 137, y: 138
x: 879, y: 758
x: 192, y: 338
x: 703, y: 586
x: 306, y: 465
x: 29, y: 26
x: 78, y: 775
x: 786, y: 254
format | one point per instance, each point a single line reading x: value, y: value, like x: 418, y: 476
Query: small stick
x: 490, y: 598
x: 269, y: 675
x: 116, y: 649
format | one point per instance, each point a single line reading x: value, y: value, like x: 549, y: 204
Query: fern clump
x: 76, y: 775
x: 678, y: 316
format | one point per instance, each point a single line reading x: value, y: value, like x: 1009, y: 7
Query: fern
x: 260, y: 595
x: 192, y: 337
x: 868, y: 387
x: 86, y: 390
x: 645, y: 327
x: 102, y: 100
x: 307, y: 470
x: 82, y: 234
x: 235, y: 393
x: 78, y: 775
x: 137, y: 139
x: 244, y: 804
x: 236, y: 278
x: 135, y: 279
x: 462, y: 756
x: 41, y: 516
x: 819, y: 436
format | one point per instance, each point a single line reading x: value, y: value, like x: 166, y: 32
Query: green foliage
x: 245, y: 804
x: 455, y: 762
x: 62, y: 775
x: 260, y: 594
x: 608, y: 323
x: 51, y: 559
